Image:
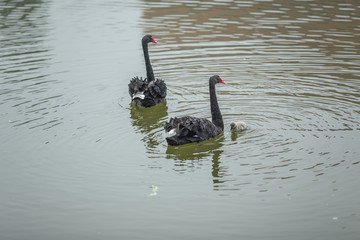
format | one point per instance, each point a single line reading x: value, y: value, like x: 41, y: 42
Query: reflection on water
x: 236, y: 135
x: 218, y: 170
x: 188, y: 156
x: 150, y: 122
x: 194, y: 151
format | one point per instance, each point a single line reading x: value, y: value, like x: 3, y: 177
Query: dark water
x: 79, y: 162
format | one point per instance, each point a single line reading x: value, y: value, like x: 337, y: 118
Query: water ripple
x: 295, y: 83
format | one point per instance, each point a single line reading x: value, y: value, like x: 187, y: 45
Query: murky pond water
x: 78, y: 161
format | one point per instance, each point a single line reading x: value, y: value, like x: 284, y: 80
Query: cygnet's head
x: 238, y: 126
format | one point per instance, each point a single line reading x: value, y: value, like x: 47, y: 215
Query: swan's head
x: 217, y: 79
x: 148, y: 38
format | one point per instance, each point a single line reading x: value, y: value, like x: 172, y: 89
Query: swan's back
x: 137, y: 85
x: 147, y: 94
x: 190, y: 129
x: 157, y: 88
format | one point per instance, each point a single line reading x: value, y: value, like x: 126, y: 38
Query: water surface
x: 79, y: 161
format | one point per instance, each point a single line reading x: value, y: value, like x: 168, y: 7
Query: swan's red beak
x: 221, y: 81
x: 153, y: 40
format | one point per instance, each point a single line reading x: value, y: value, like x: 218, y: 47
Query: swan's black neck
x: 149, y: 70
x: 215, y: 110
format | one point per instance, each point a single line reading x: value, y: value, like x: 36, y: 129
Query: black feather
x: 192, y: 129
x: 153, y: 91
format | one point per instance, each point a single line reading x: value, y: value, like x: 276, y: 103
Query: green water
x: 78, y: 161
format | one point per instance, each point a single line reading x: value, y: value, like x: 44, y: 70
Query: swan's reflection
x: 188, y: 155
x: 150, y: 122
x: 194, y: 151
x: 217, y: 170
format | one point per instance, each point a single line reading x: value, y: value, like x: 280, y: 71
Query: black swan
x: 192, y: 129
x: 147, y: 92
x: 238, y: 126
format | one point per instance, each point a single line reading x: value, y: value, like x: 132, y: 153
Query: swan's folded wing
x: 204, y: 129
x: 190, y: 127
x: 158, y: 88
x: 137, y: 85
x: 171, y: 124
